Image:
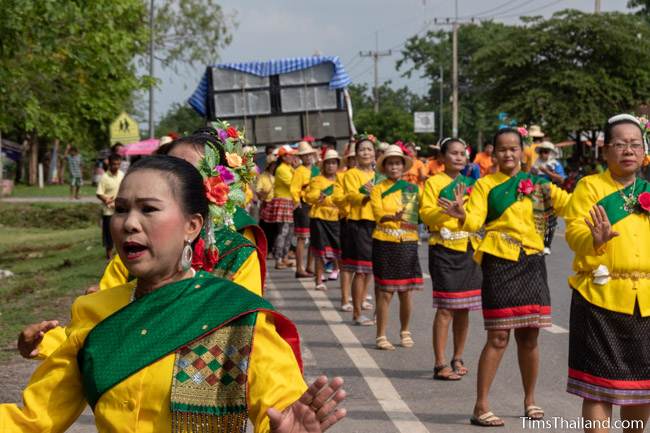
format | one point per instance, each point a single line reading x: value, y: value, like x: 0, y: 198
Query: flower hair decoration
x: 523, y: 131
x: 365, y: 136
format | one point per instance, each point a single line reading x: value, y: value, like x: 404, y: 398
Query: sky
x: 269, y: 29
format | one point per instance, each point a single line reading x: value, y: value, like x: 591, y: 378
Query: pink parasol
x: 144, y: 147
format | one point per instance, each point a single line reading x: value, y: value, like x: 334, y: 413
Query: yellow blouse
x: 354, y: 179
x: 264, y: 186
x: 515, y: 228
x: 325, y: 210
x: 283, y: 177
x: 299, y: 182
x: 248, y: 275
x: 436, y: 219
x: 391, y: 231
x: 53, y: 399
x: 626, y: 257
x: 339, y: 196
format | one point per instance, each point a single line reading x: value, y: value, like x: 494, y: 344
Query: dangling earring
x: 186, y: 257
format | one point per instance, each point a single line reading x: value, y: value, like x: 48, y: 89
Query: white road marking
x: 426, y: 276
x: 381, y: 387
x: 554, y: 329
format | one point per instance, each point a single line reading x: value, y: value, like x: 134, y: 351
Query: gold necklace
x: 629, y: 200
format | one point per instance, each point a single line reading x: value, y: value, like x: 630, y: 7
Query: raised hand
x: 455, y: 208
x: 31, y: 337
x: 601, y: 229
x: 314, y: 412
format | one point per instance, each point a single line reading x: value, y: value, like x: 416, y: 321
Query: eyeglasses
x: 621, y: 147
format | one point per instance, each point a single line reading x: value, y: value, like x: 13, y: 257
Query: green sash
x: 375, y: 180
x: 242, y: 220
x: 409, y: 199
x: 160, y: 323
x: 315, y: 171
x: 504, y: 195
x: 234, y: 250
x: 614, y: 204
x: 328, y: 191
x: 448, y: 192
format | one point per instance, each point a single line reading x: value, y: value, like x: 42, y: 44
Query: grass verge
x: 21, y: 190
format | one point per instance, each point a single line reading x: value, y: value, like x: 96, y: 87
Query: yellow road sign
x: 124, y: 130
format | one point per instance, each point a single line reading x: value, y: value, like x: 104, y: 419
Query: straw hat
x: 304, y: 148
x: 331, y: 154
x: 546, y: 145
x: 535, y: 131
x: 394, y: 150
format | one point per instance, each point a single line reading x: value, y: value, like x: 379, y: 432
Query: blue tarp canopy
x: 339, y: 80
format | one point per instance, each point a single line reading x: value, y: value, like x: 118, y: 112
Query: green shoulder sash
x: 315, y: 171
x: 328, y: 191
x: 234, y: 249
x: 242, y: 220
x: 448, y: 191
x: 615, y: 206
x: 378, y: 177
x: 400, y: 185
x: 504, y: 195
x: 157, y: 325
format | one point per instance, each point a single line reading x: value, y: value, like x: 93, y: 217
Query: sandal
x: 488, y: 419
x: 534, y: 412
x: 459, y: 367
x: 364, y: 321
x: 383, y: 343
x: 321, y: 287
x: 367, y: 306
x: 438, y: 375
x: 304, y: 275
x: 280, y: 266
x: 347, y: 307
x: 406, y: 340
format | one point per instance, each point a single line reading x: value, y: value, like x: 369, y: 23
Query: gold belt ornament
x: 398, y: 233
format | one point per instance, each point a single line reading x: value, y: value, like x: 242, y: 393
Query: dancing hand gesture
x: 601, y: 229
x: 456, y: 207
x: 314, y: 412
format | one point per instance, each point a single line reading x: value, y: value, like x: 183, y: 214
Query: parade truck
x: 279, y: 101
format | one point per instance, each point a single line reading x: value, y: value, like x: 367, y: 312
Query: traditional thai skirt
x: 396, y: 266
x: 278, y: 210
x: 357, y: 249
x: 301, y: 221
x: 609, y: 354
x: 515, y: 294
x: 456, y: 278
x: 325, y: 239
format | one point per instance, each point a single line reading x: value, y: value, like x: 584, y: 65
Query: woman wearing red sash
x: 175, y: 350
x: 608, y: 227
x: 514, y: 208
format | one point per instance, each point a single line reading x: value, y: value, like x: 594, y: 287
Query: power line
x: 492, y: 9
x: 547, y: 5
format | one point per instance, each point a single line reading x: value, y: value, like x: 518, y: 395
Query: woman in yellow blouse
x: 280, y: 210
x: 349, y: 161
x: 608, y: 227
x: 514, y: 208
x: 324, y: 216
x: 202, y: 371
x: 357, y: 246
x: 299, y: 183
x: 264, y: 190
x: 455, y: 277
x: 395, y: 262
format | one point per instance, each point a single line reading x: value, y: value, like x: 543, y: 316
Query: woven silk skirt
x: 301, y: 221
x: 456, y: 278
x: 357, y: 249
x: 396, y: 266
x: 609, y: 354
x: 278, y: 210
x: 325, y: 239
x: 515, y: 294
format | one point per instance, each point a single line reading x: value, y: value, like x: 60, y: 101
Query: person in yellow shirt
x: 395, y: 263
x: 324, y: 216
x: 280, y: 209
x: 455, y: 277
x: 264, y: 190
x: 530, y: 153
x: 343, y: 206
x: 299, y: 183
x: 514, y: 208
x: 485, y: 159
x: 226, y: 357
x: 356, y: 251
x: 608, y: 228
x: 106, y: 191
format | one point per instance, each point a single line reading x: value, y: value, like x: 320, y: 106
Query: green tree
x: 424, y: 55
x: 643, y: 5
x: 395, y: 118
x: 569, y: 72
x: 181, y: 119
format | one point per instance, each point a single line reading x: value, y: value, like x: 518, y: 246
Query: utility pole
x: 441, y: 133
x: 375, y: 57
x: 454, y: 81
x: 151, y: 39
x: 597, y: 7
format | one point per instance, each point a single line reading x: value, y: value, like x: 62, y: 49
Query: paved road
x: 391, y: 392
